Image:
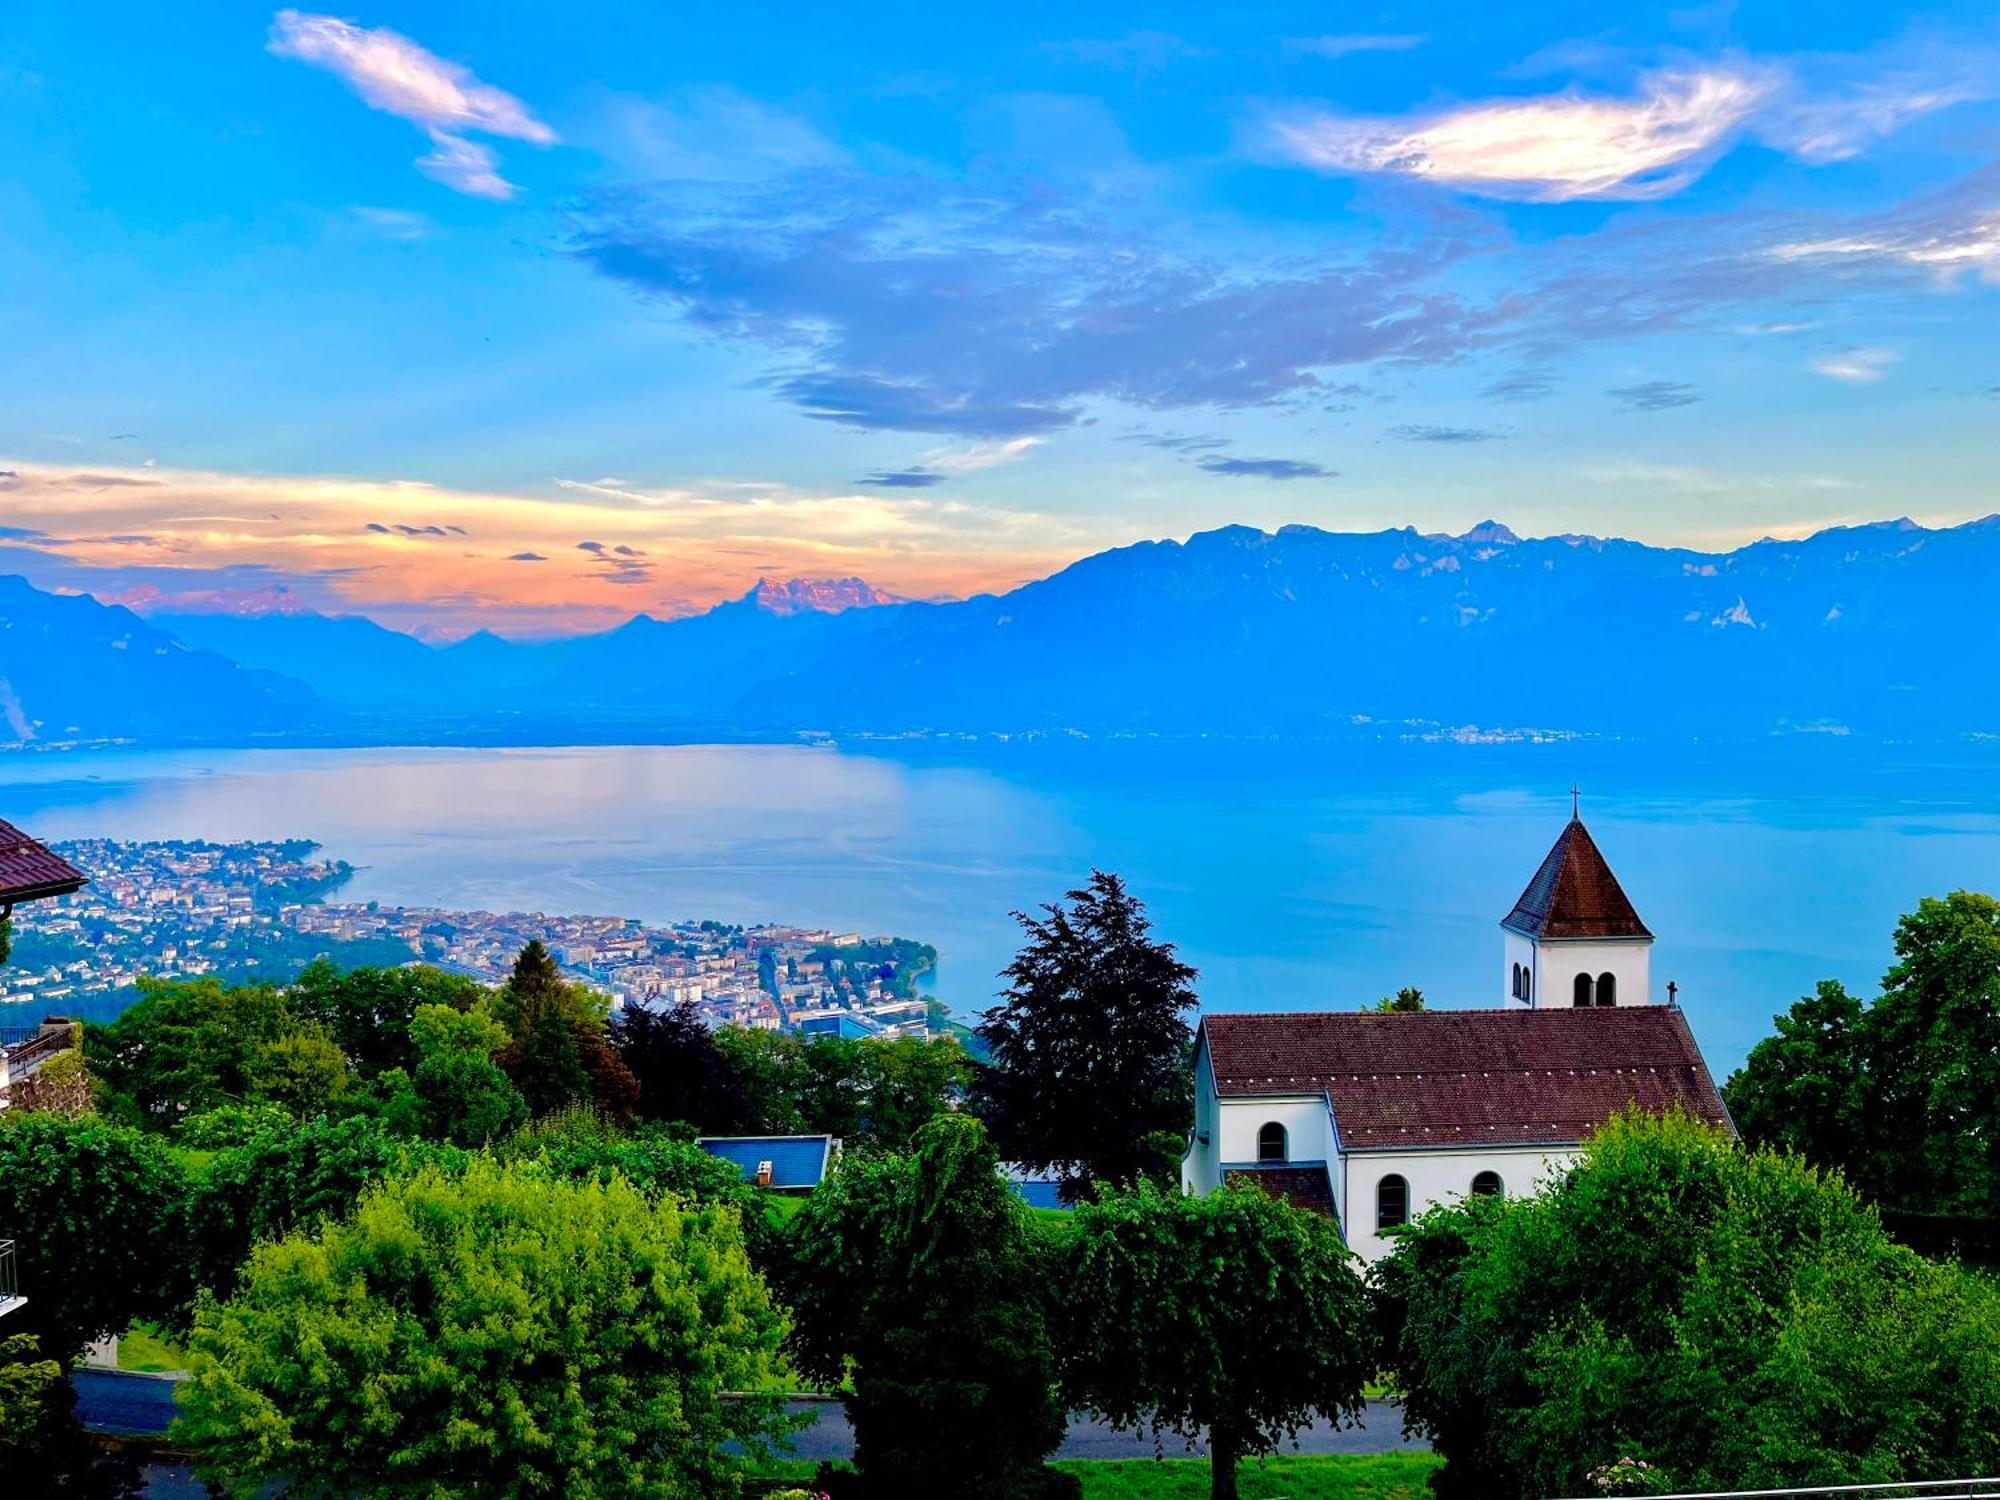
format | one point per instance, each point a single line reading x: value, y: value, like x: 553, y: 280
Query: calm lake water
x: 1294, y: 878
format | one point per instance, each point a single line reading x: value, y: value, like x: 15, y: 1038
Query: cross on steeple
x: 1575, y: 801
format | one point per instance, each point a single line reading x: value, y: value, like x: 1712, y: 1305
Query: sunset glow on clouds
x: 450, y: 560
x: 534, y: 325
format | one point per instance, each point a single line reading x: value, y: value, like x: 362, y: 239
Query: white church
x: 1374, y: 1118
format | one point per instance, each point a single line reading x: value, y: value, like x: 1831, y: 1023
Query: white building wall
x: 1438, y: 1177
x: 1630, y: 960
x: 1520, y: 951
x: 1201, y: 1168
x: 1308, y: 1133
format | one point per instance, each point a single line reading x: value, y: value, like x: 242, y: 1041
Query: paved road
x: 115, y: 1401
x: 1380, y: 1431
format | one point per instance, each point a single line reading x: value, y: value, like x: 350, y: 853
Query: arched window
x: 1516, y: 990
x: 1392, y: 1203
x: 1487, y: 1185
x: 1582, y: 990
x: 1527, y: 984
x: 1271, y: 1142
x: 1607, y: 989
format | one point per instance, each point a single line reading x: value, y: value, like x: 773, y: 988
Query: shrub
x: 1735, y: 1319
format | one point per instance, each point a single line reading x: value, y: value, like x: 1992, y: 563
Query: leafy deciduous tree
x: 681, y: 1072
x: 924, y: 1276
x: 499, y: 1332
x: 1236, y: 1314
x: 95, y: 1213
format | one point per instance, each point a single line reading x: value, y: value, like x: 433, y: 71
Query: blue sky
x: 534, y: 316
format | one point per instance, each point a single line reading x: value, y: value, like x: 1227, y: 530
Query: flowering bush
x: 1628, y: 1476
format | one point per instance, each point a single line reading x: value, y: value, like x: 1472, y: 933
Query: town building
x: 1374, y: 1117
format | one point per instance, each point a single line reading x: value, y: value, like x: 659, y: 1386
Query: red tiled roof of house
x: 29, y: 871
x: 1575, y: 895
x: 1465, y: 1077
x: 1302, y: 1187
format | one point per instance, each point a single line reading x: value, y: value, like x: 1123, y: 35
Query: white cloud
x: 1552, y: 149
x: 980, y: 455
x: 393, y: 74
x: 1948, y: 248
x: 1838, y: 128
x: 1860, y: 365
x: 465, y: 167
x: 1349, y: 43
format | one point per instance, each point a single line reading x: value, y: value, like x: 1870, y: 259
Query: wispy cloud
x: 1948, y: 247
x: 1860, y: 366
x: 1265, y: 468
x: 393, y: 74
x: 1654, y: 395
x: 1521, y: 385
x: 1549, y: 149
x: 1346, y: 44
x: 1425, y: 432
x: 903, y: 479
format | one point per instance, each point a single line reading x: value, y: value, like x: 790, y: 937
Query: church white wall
x: 1201, y: 1168
x: 1631, y: 962
x: 1308, y: 1130
x: 1438, y: 1177
x: 1522, y: 952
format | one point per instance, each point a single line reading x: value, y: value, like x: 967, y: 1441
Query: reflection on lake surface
x: 1295, y: 877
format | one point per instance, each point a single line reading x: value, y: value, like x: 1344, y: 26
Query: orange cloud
x: 589, y: 554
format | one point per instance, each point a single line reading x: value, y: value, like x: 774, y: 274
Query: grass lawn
x: 1368, y: 1476
x: 140, y: 1348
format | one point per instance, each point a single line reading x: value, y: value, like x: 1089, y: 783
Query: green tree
x: 1806, y: 1089
x: 923, y: 1277
x: 300, y: 1071
x: 290, y: 1178
x: 368, y: 1012
x: 681, y: 1072
x: 1408, y: 1000
x: 499, y: 1332
x: 95, y: 1213
x: 1090, y: 1042
x: 1737, y: 1318
x: 1904, y: 1093
x: 560, y: 1055
x: 1234, y: 1315
x: 463, y: 1098
x: 770, y: 1067
x: 909, y: 1081
x: 183, y: 1047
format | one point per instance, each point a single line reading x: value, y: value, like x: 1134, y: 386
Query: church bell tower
x: 1573, y: 939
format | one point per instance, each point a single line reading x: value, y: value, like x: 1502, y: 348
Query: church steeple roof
x: 1575, y: 895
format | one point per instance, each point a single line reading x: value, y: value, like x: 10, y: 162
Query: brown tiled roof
x: 28, y: 871
x: 1575, y: 895
x: 1458, y: 1077
x: 1302, y: 1187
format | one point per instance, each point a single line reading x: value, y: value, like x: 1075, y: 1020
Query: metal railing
x: 10, y: 1290
x: 1916, y: 1489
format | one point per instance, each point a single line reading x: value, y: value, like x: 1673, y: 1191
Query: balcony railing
x: 10, y: 1290
x: 1918, y: 1489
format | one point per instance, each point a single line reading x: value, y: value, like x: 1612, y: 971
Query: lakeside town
x: 189, y: 908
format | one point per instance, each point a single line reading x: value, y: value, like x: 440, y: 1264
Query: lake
x: 1294, y: 877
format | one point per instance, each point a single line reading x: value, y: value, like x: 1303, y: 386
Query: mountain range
x: 1879, y: 630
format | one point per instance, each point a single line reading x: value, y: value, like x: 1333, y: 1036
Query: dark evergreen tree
x: 560, y: 1056
x: 546, y: 1064
x: 681, y: 1073
x: 1090, y: 1043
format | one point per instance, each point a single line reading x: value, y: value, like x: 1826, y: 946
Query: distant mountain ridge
x: 1875, y: 630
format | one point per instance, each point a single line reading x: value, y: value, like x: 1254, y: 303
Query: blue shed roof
x: 839, y: 1024
x: 1040, y: 1194
x: 797, y: 1161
